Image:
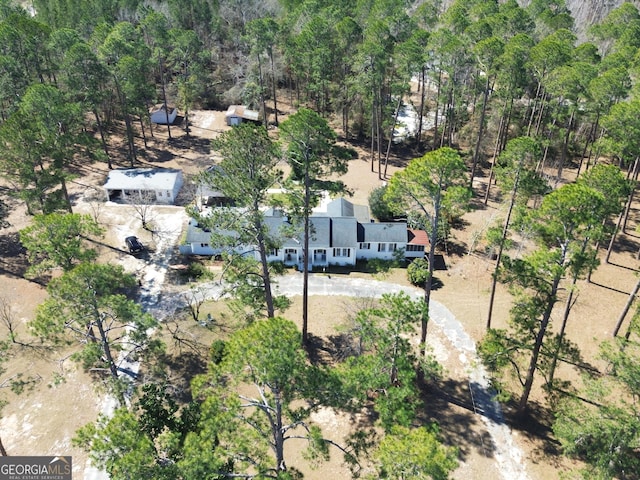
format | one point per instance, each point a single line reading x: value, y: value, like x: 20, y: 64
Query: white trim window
x: 341, y: 252
x: 393, y: 247
x: 320, y: 255
x: 382, y: 247
x: 415, y: 248
x: 365, y: 246
x: 273, y: 252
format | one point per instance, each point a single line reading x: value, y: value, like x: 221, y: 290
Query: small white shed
x: 160, y: 113
x: 143, y: 185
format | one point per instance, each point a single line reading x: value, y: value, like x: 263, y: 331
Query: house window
x: 382, y: 247
x: 341, y: 252
x: 159, y: 193
x: 415, y: 248
x: 273, y: 252
x: 392, y: 247
x: 204, y: 244
x: 320, y: 255
x: 365, y: 246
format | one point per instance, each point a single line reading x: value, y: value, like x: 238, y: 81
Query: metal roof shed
x: 236, y: 114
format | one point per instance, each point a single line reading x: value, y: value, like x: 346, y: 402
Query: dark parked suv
x: 134, y: 244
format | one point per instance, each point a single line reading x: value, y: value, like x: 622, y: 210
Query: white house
x: 332, y: 242
x: 335, y: 240
x: 161, y: 114
x: 143, y: 185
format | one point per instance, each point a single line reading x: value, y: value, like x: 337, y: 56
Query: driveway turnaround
x: 508, y: 456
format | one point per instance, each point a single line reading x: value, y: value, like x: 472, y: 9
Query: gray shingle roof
x: 383, y: 232
x: 344, y: 232
x: 320, y: 231
x: 198, y: 234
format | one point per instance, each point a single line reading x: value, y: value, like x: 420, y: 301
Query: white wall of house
x: 322, y: 256
x: 203, y: 248
x: 381, y: 250
x: 319, y: 257
x: 291, y: 256
x: 275, y: 255
x: 343, y: 256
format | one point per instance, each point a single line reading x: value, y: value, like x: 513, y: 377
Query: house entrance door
x: 320, y: 257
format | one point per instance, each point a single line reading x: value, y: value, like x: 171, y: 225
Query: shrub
x: 379, y: 266
x: 217, y: 351
x: 418, y: 271
x: 380, y: 209
x: 197, y: 271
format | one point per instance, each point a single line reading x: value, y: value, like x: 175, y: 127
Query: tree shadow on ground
x: 85, y: 169
x: 477, y: 203
x: 119, y: 154
x: 156, y: 155
x: 535, y: 424
x: 626, y: 243
x: 192, y: 144
x: 14, y: 261
x: 436, y: 283
x: 182, y: 368
x: 399, y: 156
x: 328, y: 351
x: 439, y: 263
x: 449, y: 403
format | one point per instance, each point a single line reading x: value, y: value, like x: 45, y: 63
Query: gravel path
x: 508, y: 456
x: 151, y: 269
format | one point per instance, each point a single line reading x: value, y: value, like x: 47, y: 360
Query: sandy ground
x: 42, y: 421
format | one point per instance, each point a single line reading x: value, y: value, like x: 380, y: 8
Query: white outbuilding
x: 143, y: 185
x: 163, y: 115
